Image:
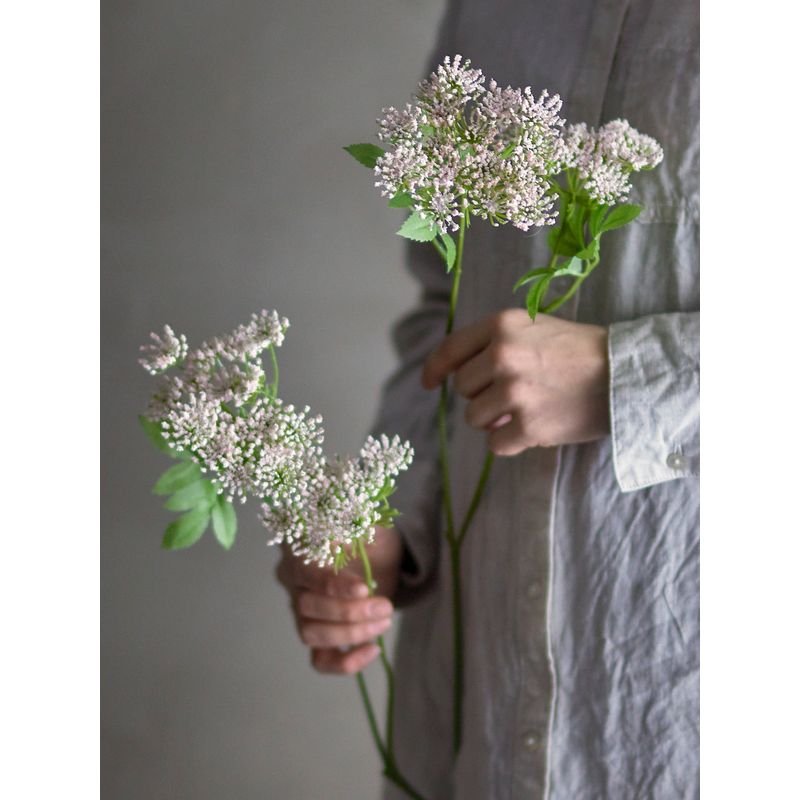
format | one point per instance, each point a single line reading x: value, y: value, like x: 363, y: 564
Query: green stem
x: 390, y: 769
x: 443, y: 392
x: 387, y: 667
x: 458, y: 646
x: 559, y: 301
x: 275, y: 371
x: 477, y: 495
x: 391, y: 773
x: 450, y: 531
x: 373, y: 724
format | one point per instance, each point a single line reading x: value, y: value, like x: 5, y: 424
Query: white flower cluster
x: 462, y: 143
x: 605, y: 158
x: 164, y: 352
x: 215, y: 407
x: 342, y: 501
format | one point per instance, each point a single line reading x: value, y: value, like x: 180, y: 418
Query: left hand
x: 530, y: 384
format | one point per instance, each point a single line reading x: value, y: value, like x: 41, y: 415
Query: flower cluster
x: 164, y: 352
x: 216, y: 408
x: 605, y: 158
x: 464, y: 146
x: 343, y: 499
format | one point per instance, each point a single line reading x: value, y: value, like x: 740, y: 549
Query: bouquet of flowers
x: 466, y: 149
x: 214, y: 411
x: 463, y: 149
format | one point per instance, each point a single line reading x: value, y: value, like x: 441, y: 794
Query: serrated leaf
x: 365, y: 153
x: 401, y: 200
x: 186, y: 530
x: 153, y: 431
x: 418, y: 229
x: 177, y: 477
x: 532, y: 275
x: 535, y: 296
x: 223, y: 519
x: 200, y: 494
x: 449, y: 250
x: 620, y: 215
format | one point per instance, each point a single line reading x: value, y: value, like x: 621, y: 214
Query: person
x: 580, y: 571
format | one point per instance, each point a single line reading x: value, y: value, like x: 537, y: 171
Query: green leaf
x: 532, y: 275
x: 536, y: 295
x: 589, y: 252
x: 153, y: 431
x: 573, y: 267
x: 450, y: 250
x: 186, y: 530
x: 177, y: 477
x: 595, y: 218
x: 366, y: 154
x: 562, y: 242
x: 223, y: 518
x: 401, y: 200
x: 620, y: 215
x: 575, y: 221
x: 200, y: 494
x: 418, y: 229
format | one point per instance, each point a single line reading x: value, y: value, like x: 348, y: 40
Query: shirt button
x: 676, y: 461
x: 530, y: 741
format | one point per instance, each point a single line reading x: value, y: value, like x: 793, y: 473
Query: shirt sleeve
x: 408, y: 410
x: 655, y: 398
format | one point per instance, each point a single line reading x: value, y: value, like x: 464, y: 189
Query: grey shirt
x: 581, y: 567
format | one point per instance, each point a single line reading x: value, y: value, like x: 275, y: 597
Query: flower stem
x: 386, y: 751
x: 373, y: 724
x: 477, y: 495
x: 275, y: 372
x: 458, y: 646
x: 450, y: 529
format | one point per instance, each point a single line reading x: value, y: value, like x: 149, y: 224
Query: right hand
x: 334, y: 611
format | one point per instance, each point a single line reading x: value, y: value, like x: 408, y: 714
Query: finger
x: 475, y: 375
x: 337, y: 634
x: 489, y: 406
x: 330, y: 609
x: 327, y: 582
x: 457, y: 348
x: 332, y: 661
x: 508, y: 440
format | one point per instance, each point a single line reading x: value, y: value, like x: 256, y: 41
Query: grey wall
x: 224, y: 191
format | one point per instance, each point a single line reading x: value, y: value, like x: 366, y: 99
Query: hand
x: 334, y: 611
x: 530, y: 384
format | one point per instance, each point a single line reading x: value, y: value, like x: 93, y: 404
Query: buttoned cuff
x: 654, y: 398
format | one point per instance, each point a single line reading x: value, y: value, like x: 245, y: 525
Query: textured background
x: 225, y: 190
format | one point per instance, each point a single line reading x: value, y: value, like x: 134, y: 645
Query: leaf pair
x: 187, y: 529
x: 194, y: 494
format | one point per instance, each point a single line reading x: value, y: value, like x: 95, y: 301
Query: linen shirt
x: 580, y: 569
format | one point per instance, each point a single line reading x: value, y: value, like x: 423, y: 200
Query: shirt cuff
x: 654, y: 399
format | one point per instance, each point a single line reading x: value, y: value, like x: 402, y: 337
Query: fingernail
x: 359, y: 590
